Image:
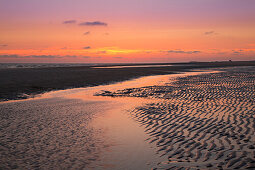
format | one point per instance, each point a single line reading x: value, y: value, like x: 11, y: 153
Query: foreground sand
x: 203, y: 121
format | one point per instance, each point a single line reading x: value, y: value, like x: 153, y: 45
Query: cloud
x: 238, y: 52
x: 182, y: 52
x: 51, y: 56
x: 42, y: 56
x: 70, y: 56
x: 87, y: 47
x: 86, y: 57
x: 9, y: 56
x: 86, y: 33
x: 91, y: 57
x: 36, y: 56
x: 69, y: 22
x: 210, y: 33
x: 118, y: 57
x: 3, y: 45
x: 94, y: 23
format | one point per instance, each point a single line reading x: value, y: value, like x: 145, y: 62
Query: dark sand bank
x: 16, y: 82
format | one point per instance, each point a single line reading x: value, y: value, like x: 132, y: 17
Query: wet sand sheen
x: 74, y: 129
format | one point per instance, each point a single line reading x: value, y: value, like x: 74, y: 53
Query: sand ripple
x: 49, y: 134
x: 202, y: 121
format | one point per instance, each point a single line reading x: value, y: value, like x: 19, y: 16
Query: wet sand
x: 202, y: 121
x: 194, y: 120
x: 19, y: 83
x: 73, y: 129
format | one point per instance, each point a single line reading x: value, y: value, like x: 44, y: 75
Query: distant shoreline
x: 14, y: 82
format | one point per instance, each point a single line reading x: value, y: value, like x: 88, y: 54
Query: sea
x: 44, y: 65
x: 104, y: 65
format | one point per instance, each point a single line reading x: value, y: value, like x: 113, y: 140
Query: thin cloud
x: 41, y: 56
x: 210, y: 33
x: 182, y: 52
x: 69, y: 22
x: 9, y: 56
x: 95, y: 23
x: 86, y: 57
x: 238, y: 52
x: 87, y: 47
x: 118, y: 57
x: 70, y: 56
x: 86, y: 33
x: 29, y: 56
x: 52, y: 56
x: 3, y: 45
x: 36, y: 56
x: 96, y: 57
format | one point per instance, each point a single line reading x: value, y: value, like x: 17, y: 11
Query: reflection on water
x: 75, y: 129
x: 88, y: 92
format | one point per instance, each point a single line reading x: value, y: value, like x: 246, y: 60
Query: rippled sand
x: 49, y: 134
x: 202, y: 121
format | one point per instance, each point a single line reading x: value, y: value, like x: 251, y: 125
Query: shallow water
x: 75, y: 129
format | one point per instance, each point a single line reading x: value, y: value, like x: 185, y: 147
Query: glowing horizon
x: 128, y: 31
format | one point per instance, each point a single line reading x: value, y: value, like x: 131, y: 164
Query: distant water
x: 104, y: 65
x: 136, y: 66
x: 44, y: 65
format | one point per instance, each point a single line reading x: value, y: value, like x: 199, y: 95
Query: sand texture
x: 201, y: 122
x: 49, y: 134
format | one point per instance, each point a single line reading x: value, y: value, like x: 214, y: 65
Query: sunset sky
x: 115, y: 31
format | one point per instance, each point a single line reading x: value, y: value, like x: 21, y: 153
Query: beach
x: 202, y: 119
x: 32, y: 79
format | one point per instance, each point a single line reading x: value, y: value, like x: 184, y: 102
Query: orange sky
x: 127, y: 31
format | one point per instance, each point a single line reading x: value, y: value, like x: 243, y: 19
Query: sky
x: 126, y: 31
